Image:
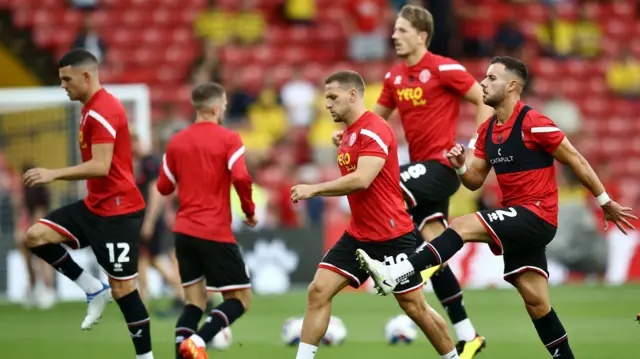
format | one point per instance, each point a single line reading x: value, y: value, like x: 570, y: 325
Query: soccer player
x: 426, y: 89
x: 368, y: 161
x: 520, y: 144
x: 201, y: 163
x: 147, y: 170
x: 109, y: 219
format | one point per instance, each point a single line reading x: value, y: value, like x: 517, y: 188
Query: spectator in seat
x: 248, y: 24
x: 213, y: 24
x: 298, y: 97
x: 565, y: 113
x: 623, y: 76
x: 368, y: 32
x: 88, y: 38
x: 301, y: 12
x: 555, y: 35
x: 475, y: 28
x: 509, y: 40
x: 170, y: 123
x: 207, y: 68
x: 266, y: 114
x: 239, y: 100
x: 87, y: 5
x: 587, y: 36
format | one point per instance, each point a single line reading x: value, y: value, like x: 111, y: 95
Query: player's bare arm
x: 614, y: 212
x: 153, y: 211
x: 473, y: 174
x: 98, y: 166
x: 483, y: 112
x: 367, y: 170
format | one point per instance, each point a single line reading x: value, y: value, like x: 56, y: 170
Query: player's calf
x: 135, y: 314
x: 429, y: 321
x: 533, y: 289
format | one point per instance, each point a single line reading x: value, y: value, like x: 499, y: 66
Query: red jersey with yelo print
x: 104, y: 120
x: 535, y: 190
x: 377, y: 213
x: 427, y: 96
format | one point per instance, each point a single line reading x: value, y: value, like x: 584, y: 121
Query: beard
x: 493, y: 101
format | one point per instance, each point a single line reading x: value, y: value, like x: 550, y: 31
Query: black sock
x: 437, y: 251
x: 58, y: 258
x: 447, y: 289
x: 553, y: 336
x: 138, y: 321
x: 221, y: 317
x: 187, y: 325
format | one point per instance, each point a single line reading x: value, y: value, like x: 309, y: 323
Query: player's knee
x: 414, y: 309
x: 38, y: 235
x: 463, y: 227
x: 317, y: 294
x: 537, y: 305
x: 121, y: 288
x: 243, y: 295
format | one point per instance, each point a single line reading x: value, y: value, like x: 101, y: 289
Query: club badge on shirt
x: 352, y: 139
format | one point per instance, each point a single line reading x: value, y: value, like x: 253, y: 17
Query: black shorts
x: 521, y: 237
x: 115, y: 240
x: 341, y: 258
x: 219, y: 264
x: 155, y: 246
x: 427, y: 187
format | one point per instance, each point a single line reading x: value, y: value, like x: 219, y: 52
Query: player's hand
x: 457, y: 156
x: 617, y: 214
x: 251, y: 221
x: 147, y: 231
x: 301, y: 191
x: 36, y: 176
x: 336, y: 137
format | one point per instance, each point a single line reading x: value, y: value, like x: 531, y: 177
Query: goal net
x: 39, y: 127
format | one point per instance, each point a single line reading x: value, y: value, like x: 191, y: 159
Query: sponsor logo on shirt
x: 501, y: 159
x: 344, y: 160
x: 413, y: 95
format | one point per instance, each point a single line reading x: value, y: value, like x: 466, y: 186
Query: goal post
x: 39, y: 126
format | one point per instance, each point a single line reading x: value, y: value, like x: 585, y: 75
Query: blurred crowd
x: 287, y: 131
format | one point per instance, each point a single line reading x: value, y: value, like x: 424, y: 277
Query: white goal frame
x: 18, y: 99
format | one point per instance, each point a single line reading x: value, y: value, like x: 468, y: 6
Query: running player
x: 520, y: 144
x: 147, y: 169
x: 109, y: 219
x: 368, y: 161
x: 426, y: 89
x: 201, y: 163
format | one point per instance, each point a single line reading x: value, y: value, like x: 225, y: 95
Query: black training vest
x: 512, y: 155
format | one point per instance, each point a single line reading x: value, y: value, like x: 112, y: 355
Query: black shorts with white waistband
x: 521, y: 237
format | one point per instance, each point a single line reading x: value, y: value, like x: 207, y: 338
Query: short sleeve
x: 386, y: 98
x: 103, y: 128
x: 375, y: 141
x: 456, y: 78
x: 235, y: 150
x: 480, y: 142
x: 544, y: 133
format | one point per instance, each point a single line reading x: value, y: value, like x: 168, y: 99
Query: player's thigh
x: 325, y: 285
x: 395, y: 251
x: 222, y: 265
x: 428, y: 181
x: 189, y: 268
x: 62, y: 225
x: 115, y: 241
x: 341, y: 259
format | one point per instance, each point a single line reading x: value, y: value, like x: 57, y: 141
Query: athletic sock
x: 447, y: 289
x: 60, y: 259
x: 221, y: 317
x: 187, y: 325
x: 437, y: 251
x: 451, y: 355
x: 553, y: 336
x: 138, y: 321
x: 306, y: 351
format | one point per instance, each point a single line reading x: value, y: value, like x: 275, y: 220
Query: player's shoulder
x: 534, y: 118
x: 108, y: 105
x: 375, y: 123
x: 442, y: 64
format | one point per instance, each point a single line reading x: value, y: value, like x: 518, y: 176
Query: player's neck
x: 203, y: 119
x: 415, y: 57
x: 505, y: 109
x: 355, y: 115
x: 92, y: 91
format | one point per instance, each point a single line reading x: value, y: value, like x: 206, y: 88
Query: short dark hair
x: 514, y: 65
x: 420, y: 18
x: 348, y: 78
x: 77, y: 57
x: 206, y: 92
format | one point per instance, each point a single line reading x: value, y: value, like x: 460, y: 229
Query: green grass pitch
x: 600, y: 322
